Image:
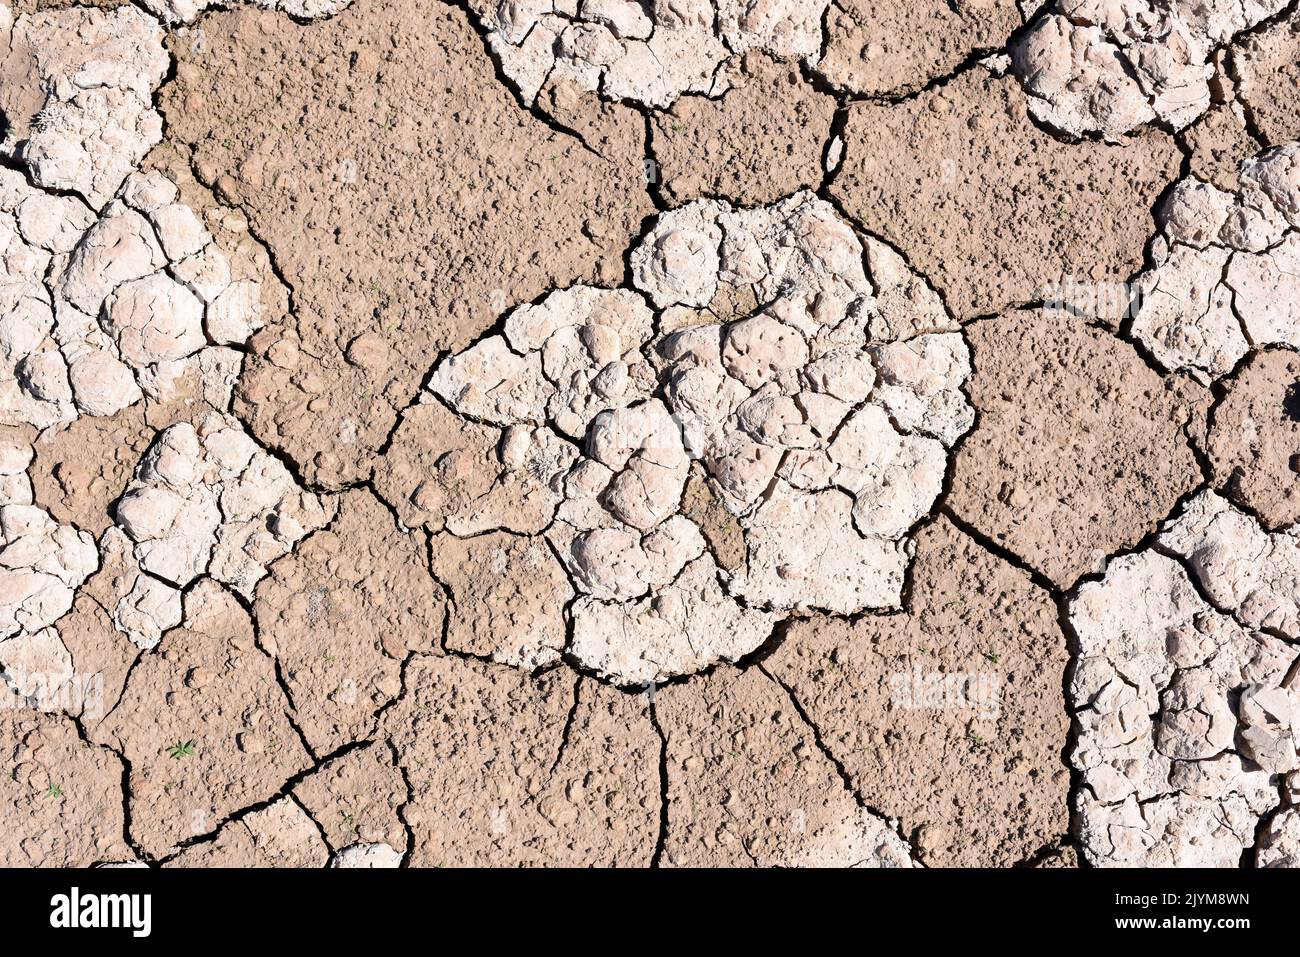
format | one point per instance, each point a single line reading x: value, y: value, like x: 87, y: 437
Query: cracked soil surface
x: 650, y: 433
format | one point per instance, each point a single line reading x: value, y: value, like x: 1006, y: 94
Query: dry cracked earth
x: 650, y: 433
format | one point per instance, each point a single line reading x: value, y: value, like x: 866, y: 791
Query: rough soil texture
x: 1268, y: 64
x: 357, y: 799
x: 281, y: 835
x: 340, y: 616
x: 604, y: 433
x: 209, y: 684
x: 1185, y: 720
x: 500, y: 774
x: 978, y: 782
x: 81, y: 468
x: 1081, y: 449
x: 1106, y: 67
x: 1255, y: 438
x: 989, y: 207
x: 398, y: 235
x: 748, y: 785
x: 785, y: 121
x: 57, y: 778
x: 1219, y: 141
x: 876, y: 47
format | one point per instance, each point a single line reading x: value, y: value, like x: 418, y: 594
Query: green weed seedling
x: 182, y: 749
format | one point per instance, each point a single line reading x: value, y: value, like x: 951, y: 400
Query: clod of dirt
x: 567, y: 359
x: 341, y: 613
x: 988, y: 207
x: 1111, y: 66
x: 1185, y: 712
x: 684, y: 626
x: 203, y: 724
x: 1255, y: 438
x: 37, y: 667
x: 56, y: 360
x: 15, y: 460
x: 233, y: 274
x: 704, y: 506
x: 809, y: 427
x: 878, y: 47
x: 60, y: 798
x: 1081, y: 448
x: 118, y: 612
x: 748, y: 785
x: 279, y: 835
x: 445, y: 472
x: 1238, y: 564
x: 1268, y: 64
x: 401, y: 235
x: 42, y: 563
x: 702, y: 151
x: 968, y: 681
x: 142, y: 606
x: 1227, y: 268
x: 82, y: 467
x: 499, y: 774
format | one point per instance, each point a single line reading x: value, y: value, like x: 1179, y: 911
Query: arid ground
x: 650, y: 433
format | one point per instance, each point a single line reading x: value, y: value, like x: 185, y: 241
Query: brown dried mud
x: 1255, y: 437
x: 500, y: 775
x: 1268, y: 64
x: 876, y: 47
x: 508, y: 594
x: 749, y: 786
x: 761, y: 141
x: 357, y: 798
x: 990, y: 208
x: 60, y: 798
x: 83, y: 467
x: 280, y: 835
x: 1218, y: 142
x: 408, y: 197
x: 951, y: 717
x: 440, y: 466
x: 1080, y: 448
x: 340, y: 615
x: 208, y: 686
x: 402, y: 676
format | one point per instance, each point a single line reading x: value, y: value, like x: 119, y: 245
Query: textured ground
x: 650, y: 433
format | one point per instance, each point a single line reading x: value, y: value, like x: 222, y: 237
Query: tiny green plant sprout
x: 182, y: 749
x: 55, y: 792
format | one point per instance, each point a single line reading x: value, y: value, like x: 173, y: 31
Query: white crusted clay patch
x: 823, y: 445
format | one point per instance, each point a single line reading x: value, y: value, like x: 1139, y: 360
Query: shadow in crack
x: 1291, y: 402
